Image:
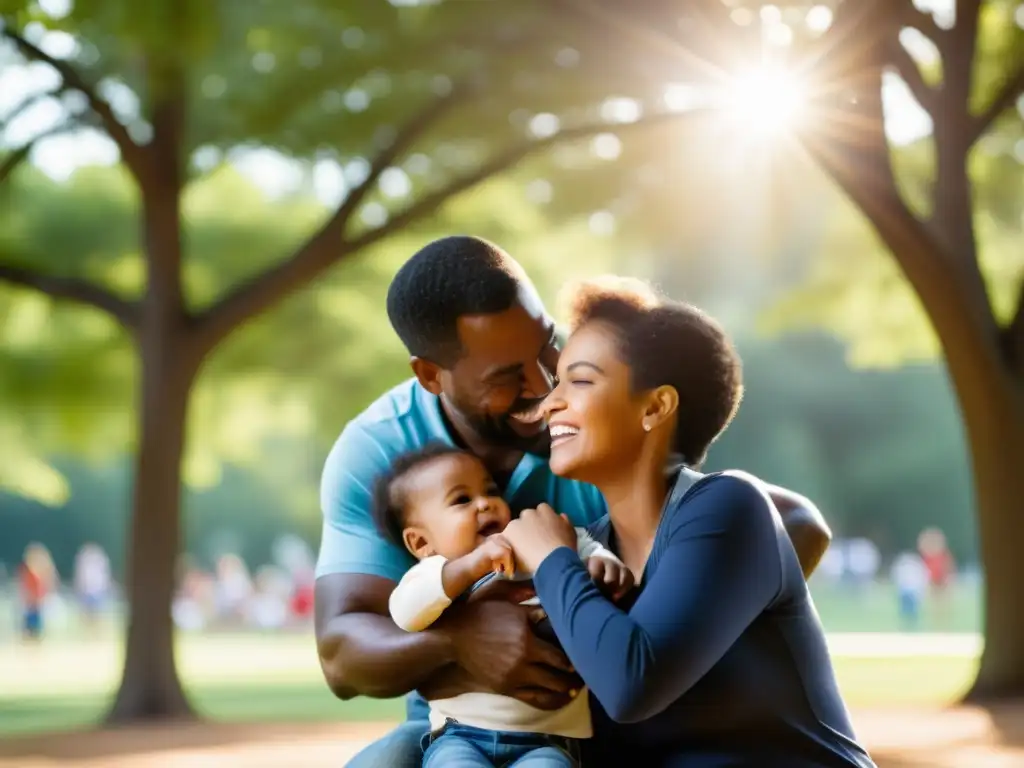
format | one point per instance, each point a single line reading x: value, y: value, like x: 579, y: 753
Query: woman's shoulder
x: 732, y: 484
x: 724, y: 495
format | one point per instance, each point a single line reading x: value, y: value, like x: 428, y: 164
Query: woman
x: 718, y: 657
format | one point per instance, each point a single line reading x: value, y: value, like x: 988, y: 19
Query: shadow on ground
x: 940, y: 738
x: 960, y: 737
x: 194, y: 743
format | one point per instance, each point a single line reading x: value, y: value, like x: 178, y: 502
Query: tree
x: 422, y: 98
x: 420, y: 103
x: 969, y: 91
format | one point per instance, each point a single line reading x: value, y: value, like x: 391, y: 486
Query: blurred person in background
x: 92, y: 582
x: 194, y: 603
x: 832, y: 566
x: 233, y: 588
x: 862, y: 562
x: 268, y: 606
x: 934, y: 551
x: 910, y: 577
x: 37, y: 577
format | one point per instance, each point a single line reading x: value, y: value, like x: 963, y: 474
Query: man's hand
x: 612, y: 577
x: 494, y: 641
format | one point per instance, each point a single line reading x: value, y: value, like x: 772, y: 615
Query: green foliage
x: 881, y: 452
x: 300, y: 371
x: 697, y: 205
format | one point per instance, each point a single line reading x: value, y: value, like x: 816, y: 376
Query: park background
x: 160, y: 167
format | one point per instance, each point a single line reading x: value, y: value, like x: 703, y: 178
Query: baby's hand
x: 613, y: 578
x: 496, y: 555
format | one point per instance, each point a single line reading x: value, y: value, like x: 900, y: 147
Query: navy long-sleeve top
x: 718, y: 659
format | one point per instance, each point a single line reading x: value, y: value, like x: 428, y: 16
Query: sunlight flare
x: 766, y: 99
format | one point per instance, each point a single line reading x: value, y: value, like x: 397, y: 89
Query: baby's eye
x: 462, y: 499
x: 492, y: 490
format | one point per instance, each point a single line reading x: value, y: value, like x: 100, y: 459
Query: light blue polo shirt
x: 402, y: 420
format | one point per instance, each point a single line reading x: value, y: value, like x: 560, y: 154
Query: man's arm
x: 363, y: 652
x: 805, y: 525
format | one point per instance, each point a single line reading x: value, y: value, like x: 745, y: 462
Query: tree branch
x: 132, y: 153
x: 31, y: 101
x: 503, y: 162
x: 910, y: 73
x: 13, y: 161
x: 326, y: 245
x: 924, y: 23
x: 1006, y: 96
x: 72, y: 289
x: 652, y: 40
x: 327, y: 248
x: 1013, y: 333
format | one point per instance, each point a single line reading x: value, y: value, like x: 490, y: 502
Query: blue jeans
x: 463, y: 746
x: 402, y: 748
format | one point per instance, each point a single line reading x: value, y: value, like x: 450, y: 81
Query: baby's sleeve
x: 587, y: 547
x: 419, y: 599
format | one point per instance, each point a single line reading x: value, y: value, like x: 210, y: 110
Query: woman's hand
x: 536, y: 533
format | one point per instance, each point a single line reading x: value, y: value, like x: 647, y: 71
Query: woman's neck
x: 635, y: 500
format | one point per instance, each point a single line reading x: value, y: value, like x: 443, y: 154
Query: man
x: 483, y: 352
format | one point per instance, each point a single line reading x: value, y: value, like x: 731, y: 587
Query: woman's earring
x: 647, y: 427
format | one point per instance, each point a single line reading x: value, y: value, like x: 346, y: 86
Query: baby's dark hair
x: 389, y: 506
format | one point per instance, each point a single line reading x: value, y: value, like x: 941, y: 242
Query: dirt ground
x: 953, y: 738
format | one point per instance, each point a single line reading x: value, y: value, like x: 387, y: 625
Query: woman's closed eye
x: 580, y: 382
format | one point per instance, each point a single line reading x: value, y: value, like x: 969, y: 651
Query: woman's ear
x: 415, y: 540
x: 661, y: 407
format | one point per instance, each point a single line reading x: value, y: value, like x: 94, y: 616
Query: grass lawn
x: 66, y: 684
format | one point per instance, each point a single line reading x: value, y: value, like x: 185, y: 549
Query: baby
x: 442, y: 505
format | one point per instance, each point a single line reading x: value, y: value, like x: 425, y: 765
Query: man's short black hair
x: 389, y: 508
x: 671, y: 343
x: 444, y: 280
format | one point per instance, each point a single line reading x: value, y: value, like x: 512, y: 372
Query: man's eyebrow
x: 583, y: 364
x: 507, y: 370
x: 504, y: 370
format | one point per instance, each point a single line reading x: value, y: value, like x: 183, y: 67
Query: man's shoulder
x: 398, y: 403
x: 396, y: 422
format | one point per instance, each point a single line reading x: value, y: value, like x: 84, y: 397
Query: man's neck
x: 500, y: 462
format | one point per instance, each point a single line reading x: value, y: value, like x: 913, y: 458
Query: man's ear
x: 415, y: 540
x: 662, y: 406
x: 427, y: 373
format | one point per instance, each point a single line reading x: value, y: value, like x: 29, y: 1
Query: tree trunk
x: 994, y: 418
x: 150, y: 688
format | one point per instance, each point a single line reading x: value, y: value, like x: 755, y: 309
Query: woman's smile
x: 562, y: 433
